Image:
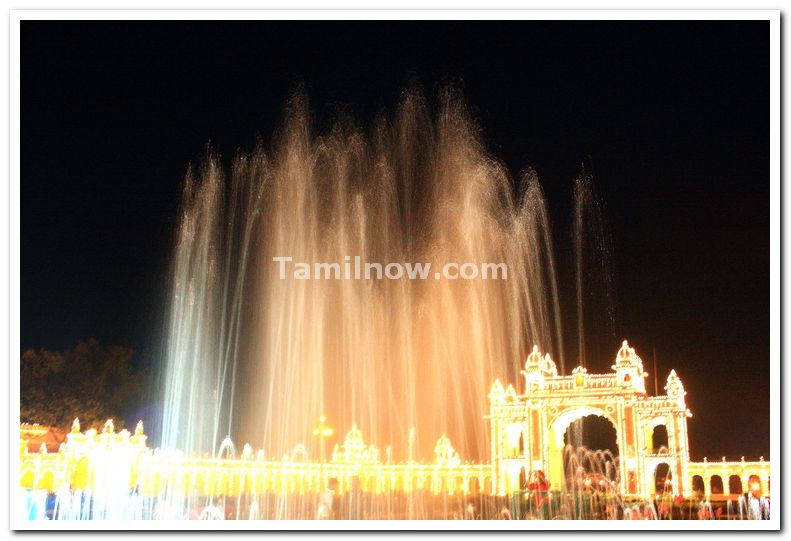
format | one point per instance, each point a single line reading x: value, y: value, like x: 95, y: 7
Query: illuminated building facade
x: 527, y: 436
x: 529, y: 429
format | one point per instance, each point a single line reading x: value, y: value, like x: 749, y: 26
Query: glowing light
x: 108, y: 464
x: 322, y: 430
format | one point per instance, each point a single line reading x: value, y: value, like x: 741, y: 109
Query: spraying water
x: 263, y: 358
x: 593, y: 279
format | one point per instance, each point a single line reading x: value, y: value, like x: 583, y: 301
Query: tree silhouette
x: 90, y: 381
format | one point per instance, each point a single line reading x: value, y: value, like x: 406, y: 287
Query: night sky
x: 671, y: 117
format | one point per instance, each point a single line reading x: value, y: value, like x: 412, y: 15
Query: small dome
x: 444, y: 453
x: 497, y: 392
x: 540, y: 363
x: 674, y: 387
x: 548, y: 367
x: 625, y: 352
x: 534, y: 359
x: 354, y: 435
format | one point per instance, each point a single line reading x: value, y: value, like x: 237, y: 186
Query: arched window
x: 716, y: 485
x: 475, y: 486
x: 663, y: 479
x: 521, y: 444
x: 458, y: 485
x: 659, y: 438
x: 522, y: 479
x: 698, y: 487
x: 754, y: 483
x: 488, y: 485
x: 514, y: 440
x: 734, y: 484
x: 28, y: 478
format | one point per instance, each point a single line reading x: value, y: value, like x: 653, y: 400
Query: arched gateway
x: 540, y: 415
x: 527, y: 437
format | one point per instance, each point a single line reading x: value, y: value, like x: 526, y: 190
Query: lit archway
x: 488, y: 485
x: 663, y: 478
x: 754, y: 483
x: 583, y: 448
x: 593, y: 432
x: 474, y: 486
x: 28, y: 478
x: 734, y: 484
x: 698, y: 486
x: 659, y: 438
x: 80, y: 477
x: 715, y: 484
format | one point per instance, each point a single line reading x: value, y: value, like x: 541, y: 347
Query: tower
x: 537, y: 368
x: 629, y: 368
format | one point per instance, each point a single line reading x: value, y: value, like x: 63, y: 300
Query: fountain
x: 261, y: 355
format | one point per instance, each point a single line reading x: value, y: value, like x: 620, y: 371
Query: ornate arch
x: 561, y: 422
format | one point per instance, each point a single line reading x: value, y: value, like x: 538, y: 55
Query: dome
x: 548, y: 367
x: 627, y: 356
x: 497, y: 392
x: 444, y: 453
x: 674, y: 387
x: 540, y: 363
x: 533, y: 360
x: 625, y: 353
x: 354, y: 449
x: 629, y: 368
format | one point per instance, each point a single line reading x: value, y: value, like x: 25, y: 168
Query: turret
x: 675, y: 389
x: 497, y: 393
x: 629, y: 368
x: 538, y: 367
x: 444, y: 453
x: 354, y: 449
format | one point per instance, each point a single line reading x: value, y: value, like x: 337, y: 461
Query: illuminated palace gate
x: 527, y: 436
x: 528, y: 430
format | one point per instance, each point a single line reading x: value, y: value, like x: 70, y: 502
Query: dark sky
x: 673, y: 117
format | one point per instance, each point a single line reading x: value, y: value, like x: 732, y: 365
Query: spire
x: 444, y: 453
x: 354, y: 449
x: 675, y: 389
x: 625, y: 354
x: 533, y: 360
x: 497, y: 392
x: 548, y: 367
x: 538, y: 367
x: 629, y: 368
